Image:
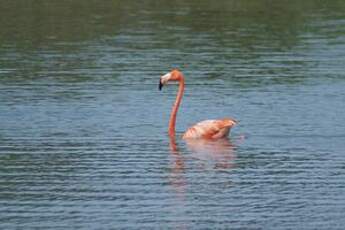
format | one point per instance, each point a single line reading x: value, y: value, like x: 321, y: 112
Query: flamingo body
x: 208, y: 129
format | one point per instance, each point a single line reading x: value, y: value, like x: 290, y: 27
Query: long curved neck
x: 173, y: 114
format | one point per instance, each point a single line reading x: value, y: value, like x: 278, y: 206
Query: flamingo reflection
x: 218, y: 153
x: 177, y: 179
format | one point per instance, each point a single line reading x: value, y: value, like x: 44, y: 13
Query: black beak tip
x: 160, y: 85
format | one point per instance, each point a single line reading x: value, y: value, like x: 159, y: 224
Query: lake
x: 83, y: 133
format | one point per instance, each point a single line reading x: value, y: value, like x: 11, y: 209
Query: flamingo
x: 208, y: 129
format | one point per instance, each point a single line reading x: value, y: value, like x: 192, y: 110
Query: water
x: 83, y: 133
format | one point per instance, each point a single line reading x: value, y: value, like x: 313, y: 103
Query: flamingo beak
x: 160, y: 84
x: 164, y: 80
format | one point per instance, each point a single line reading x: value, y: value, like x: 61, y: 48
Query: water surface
x: 83, y: 133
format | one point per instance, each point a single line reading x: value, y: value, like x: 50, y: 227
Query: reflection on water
x: 202, y: 155
x: 178, y: 168
x: 220, y: 152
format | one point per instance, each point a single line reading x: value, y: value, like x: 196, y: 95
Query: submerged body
x: 208, y: 129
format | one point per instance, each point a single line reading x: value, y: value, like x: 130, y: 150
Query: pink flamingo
x: 208, y: 129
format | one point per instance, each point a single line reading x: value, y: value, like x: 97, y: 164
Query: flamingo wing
x: 210, y: 129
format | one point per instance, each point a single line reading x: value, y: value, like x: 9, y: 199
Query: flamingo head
x: 174, y: 75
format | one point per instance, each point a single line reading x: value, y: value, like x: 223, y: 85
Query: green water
x: 83, y: 131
